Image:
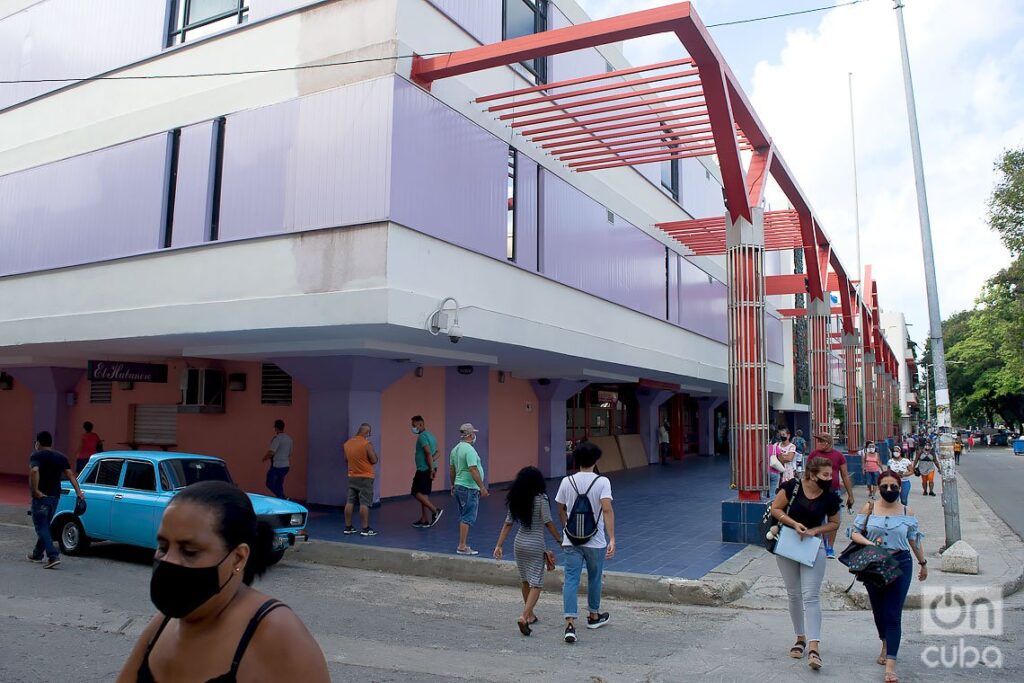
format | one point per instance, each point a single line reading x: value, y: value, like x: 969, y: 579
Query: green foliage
x: 1006, y: 206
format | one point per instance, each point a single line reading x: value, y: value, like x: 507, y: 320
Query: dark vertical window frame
x: 170, y: 185
x: 217, y: 177
x: 537, y: 67
x: 668, y: 285
x: 512, y: 250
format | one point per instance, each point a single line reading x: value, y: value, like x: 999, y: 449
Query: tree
x: 1006, y: 205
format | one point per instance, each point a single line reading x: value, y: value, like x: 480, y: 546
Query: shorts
x: 930, y: 477
x: 360, y: 491
x: 422, y: 482
x: 872, y: 478
x: 469, y: 504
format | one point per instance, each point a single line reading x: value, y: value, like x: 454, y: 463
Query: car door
x: 100, y: 487
x: 137, y: 505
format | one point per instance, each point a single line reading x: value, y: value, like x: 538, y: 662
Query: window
x: 275, y: 386
x: 191, y: 19
x: 524, y: 18
x: 100, y: 392
x: 182, y: 473
x: 670, y: 177
x: 510, y: 222
x: 108, y: 473
x: 139, y: 476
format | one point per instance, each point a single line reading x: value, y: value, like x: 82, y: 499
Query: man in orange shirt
x: 361, y: 458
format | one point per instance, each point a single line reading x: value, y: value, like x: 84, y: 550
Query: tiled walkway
x: 667, y: 520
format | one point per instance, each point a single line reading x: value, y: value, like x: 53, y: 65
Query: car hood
x: 268, y: 505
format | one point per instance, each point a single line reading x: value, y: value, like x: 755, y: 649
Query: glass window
x: 193, y: 19
x: 139, y: 476
x: 670, y: 177
x: 108, y: 473
x: 524, y: 18
x: 510, y: 224
x: 181, y: 473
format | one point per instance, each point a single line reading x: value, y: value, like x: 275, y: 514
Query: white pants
x: 803, y: 585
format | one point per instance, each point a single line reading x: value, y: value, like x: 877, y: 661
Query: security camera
x: 454, y: 334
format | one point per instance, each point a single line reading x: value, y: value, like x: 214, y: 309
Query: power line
x: 252, y: 72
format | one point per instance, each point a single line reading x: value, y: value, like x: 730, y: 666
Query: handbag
x: 767, y: 523
x: 773, y: 459
x: 871, y: 564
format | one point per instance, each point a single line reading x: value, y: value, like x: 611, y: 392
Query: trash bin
x: 1018, y: 446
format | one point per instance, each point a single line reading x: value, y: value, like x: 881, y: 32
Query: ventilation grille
x: 275, y: 386
x: 101, y: 392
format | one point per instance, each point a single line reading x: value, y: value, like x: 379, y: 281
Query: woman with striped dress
x: 528, y: 505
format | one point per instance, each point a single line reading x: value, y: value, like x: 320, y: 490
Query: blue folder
x: 802, y: 550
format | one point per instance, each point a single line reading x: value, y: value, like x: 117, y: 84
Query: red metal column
x: 870, y: 433
x: 818, y: 313
x: 748, y: 395
x: 851, y: 355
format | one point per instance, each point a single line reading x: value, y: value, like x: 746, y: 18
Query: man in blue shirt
x: 45, y: 469
x: 426, y: 457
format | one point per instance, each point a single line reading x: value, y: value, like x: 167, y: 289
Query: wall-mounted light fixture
x: 419, y: 372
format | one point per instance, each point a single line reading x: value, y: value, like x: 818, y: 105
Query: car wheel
x: 71, y: 536
x: 275, y: 557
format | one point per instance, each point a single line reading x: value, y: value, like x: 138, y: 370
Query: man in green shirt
x: 426, y: 456
x: 467, y: 484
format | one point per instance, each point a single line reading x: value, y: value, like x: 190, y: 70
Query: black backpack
x: 581, y: 525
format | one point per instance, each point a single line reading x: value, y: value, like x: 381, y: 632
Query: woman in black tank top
x: 212, y: 625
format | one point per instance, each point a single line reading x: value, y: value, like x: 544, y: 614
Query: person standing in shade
x: 425, y: 459
x: 801, y: 451
x: 787, y: 456
x: 45, y: 469
x: 814, y: 512
x: 467, y: 474
x: 361, y: 458
x: 528, y: 504
x: 926, y: 463
x: 823, y: 449
x: 279, y: 455
x: 872, y: 467
x: 970, y: 443
x: 664, y: 443
x: 600, y: 546
x: 893, y: 526
x: 89, y: 445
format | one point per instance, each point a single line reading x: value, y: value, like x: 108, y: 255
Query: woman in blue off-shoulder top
x: 892, y: 525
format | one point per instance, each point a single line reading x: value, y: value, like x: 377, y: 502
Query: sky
x: 967, y: 61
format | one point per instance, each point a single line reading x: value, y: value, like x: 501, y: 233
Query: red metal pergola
x: 686, y: 107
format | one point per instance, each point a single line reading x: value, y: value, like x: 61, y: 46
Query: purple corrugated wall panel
x: 479, y: 18
x: 702, y: 303
x: 319, y: 161
x: 773, y: 338
x: 449, y: 177
x: 615, y: 261
x: 526, y: 212
x: 93, y: 207
x: 674, y: 268
x: 193, y: 192
x: 62, y: 38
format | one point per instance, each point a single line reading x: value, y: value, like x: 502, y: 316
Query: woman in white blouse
x: 903, y: 466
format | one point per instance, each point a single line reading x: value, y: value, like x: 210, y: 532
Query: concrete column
x: 870, y: 433
x: 552, y: 396
x: 648, y: 406
x: 466, y: 400
x: 344, y: 391
x: 51, y: 409
x: 818, y: 313
x: 853, y: 419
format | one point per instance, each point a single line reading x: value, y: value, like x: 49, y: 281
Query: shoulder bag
x: 872, y: 565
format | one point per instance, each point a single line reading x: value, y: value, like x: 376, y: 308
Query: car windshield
x: 181, y: 473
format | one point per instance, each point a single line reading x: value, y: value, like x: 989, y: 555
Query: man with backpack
x: 585, y: 508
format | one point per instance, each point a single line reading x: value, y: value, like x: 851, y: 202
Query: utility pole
x: 950, y: 499
x: 861, y: 408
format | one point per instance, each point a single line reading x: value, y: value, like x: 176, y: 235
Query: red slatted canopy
x: 706, y: 236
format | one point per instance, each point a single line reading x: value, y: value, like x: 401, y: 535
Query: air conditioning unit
x: 202, y: 391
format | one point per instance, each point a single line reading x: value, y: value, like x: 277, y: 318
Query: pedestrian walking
x: 89, y: 445
x: 872, y: 467
x: 840, y: 474
x: 361, y: 458
x: 45, y: 468
x: 893, y: 526
x: 468, y: 486
x: 958, y: 447
x: 787, y: 456
x: 801, y: 451
x: 211, y: 547
x: 425, y: 459
x: 664, y: 443
x: 903, y: 466
x: 585, y: 509
x: 813, y: 510
x: 279, y: 454
x: 528, y: 506
x: 925, y: 465
x: 970, y: 443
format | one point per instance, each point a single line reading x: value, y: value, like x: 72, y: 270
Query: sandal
x: 797, y: 651
x: 891, y: 677
x: 524, y: 628
x: 533, y: 621
x: 814, y: 660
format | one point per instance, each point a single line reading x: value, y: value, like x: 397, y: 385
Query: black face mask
x: 889, y: 496
x: 823, y: 484
x: 177, y: 591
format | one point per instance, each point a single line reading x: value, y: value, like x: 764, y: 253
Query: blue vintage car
x: 126, y: 493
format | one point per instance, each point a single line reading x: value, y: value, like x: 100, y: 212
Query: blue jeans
x: 887, y: 606
x: 905, y: 491
x: 469, y: 503
x: 575, y: 557
x: 275, y: 480
x: 774, y: 478
x: 42, y: 512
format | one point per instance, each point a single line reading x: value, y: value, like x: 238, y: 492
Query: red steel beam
x: 785, y: 284
x: 606, y: 144
x: 636, y: 135
x: 632, y: 95
x: 654, y: 116
x: 669, y: 147
x: 615, y: 107
x: 648, y: 158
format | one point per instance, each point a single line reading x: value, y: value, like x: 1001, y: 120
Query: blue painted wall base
x: 740, y: 519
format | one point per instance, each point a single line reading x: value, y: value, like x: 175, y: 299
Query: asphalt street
x: 79, y: 622
x: 997, y: 475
